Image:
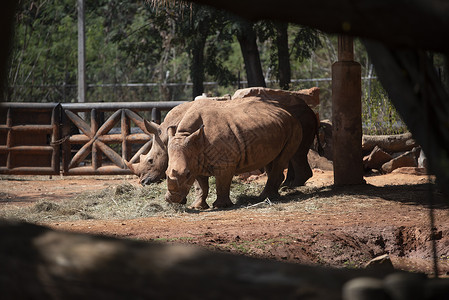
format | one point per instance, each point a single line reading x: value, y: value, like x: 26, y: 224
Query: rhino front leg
x: 223, y: 183
x: 201, y: 192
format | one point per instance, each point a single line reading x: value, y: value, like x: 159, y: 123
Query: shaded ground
x: 315, y: 224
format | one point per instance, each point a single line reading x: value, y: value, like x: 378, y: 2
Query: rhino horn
x: 131, y: 166
x: 151, y: 127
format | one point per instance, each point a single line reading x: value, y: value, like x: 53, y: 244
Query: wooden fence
x: 74, y: 138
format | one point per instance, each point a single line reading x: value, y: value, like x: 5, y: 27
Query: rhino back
x: 246, y: 133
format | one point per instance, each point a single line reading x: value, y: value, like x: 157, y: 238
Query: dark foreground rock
x: 40, y: 263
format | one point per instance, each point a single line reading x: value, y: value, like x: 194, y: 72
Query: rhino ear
x: 171, y: 130
x: 196, y: 136
x: 152, y: 127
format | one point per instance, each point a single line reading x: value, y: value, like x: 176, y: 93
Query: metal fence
x: 75, y: 138
x: 378, y: 114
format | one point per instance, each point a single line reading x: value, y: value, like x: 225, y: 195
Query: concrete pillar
x: 347, y: 116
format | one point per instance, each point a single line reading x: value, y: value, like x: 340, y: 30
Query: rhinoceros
x: 294, y: 102
x: 225, y: 138
x: 153, y: 165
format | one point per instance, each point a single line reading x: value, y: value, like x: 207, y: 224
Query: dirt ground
x: 323, y: 224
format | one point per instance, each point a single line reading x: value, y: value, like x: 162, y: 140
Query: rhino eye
x: 150, y: 161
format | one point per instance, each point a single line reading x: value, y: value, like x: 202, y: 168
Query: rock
x: 411, y: 171
x: 222, y: 98
x: 437, y: 289
x: 422, y: 160
x: 405, y: 286
x: 364, y: 288
x: 319, y: 162
x: 382, y: 262
x: 408, y: 159
x: 203, y: 96
x: 376, y: 159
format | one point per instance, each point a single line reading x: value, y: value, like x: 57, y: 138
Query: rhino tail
x: 320, y: 148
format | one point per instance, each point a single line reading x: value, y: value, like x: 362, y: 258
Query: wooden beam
x: 346, y: 116
x: 410, y: 23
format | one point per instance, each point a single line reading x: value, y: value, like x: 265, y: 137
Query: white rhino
x: 153, y: 165
x: 225, y: 138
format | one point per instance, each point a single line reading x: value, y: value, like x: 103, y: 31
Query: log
x: 389, y: 143
x: 41, y: 263
x: 376, y: 159
x: 407, y: 159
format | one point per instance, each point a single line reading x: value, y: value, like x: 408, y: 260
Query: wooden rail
x: 40, y: 138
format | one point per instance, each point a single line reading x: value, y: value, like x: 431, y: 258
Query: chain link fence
x: 378, y: 114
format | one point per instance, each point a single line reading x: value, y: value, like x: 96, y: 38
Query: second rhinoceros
x: 225, y: 138
x: 294, y: 102
x: 152, y: 166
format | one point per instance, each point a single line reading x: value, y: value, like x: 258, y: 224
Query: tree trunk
x: 6, y: 36
x: 283, y: 55
x: 250, y: 52
x: 197, y: 67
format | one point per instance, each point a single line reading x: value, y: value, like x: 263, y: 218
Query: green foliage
x: 135, y: 42
x: 305, y: 41
x: 378, y: 114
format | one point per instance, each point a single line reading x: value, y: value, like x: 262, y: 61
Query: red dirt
x: 336, y: 226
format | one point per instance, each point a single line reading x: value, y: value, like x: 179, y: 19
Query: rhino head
x: 152, y: 166
x: 183, y: 152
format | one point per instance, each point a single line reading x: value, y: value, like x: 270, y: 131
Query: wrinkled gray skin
x: 225, y: 138
x: 153, y: 165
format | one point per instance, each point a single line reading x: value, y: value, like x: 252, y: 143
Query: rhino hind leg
x: 302, y: 172
x: 276, y: 171
x: 299, y: 171
x: 275, y: 174
x: 223, y: 185
x: 201, y: 192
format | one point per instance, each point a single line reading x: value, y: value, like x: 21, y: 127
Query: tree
x: 247, y: 38
x: 202, y: 33
x: 281, y: 40
x: 287, y: 42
